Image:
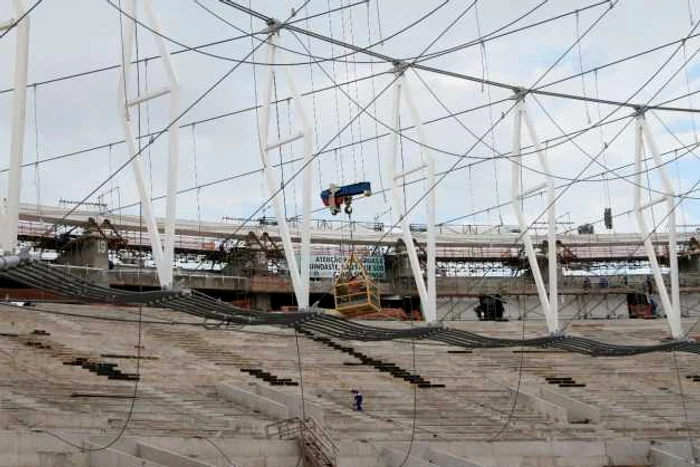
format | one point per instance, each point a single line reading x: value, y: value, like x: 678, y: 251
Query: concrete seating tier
x: 182, y: 367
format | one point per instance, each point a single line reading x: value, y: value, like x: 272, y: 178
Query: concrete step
x: 542, y: 461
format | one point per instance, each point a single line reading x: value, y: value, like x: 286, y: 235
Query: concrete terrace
x: 192, y: 388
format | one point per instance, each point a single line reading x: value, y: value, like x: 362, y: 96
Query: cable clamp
x: 639, y: 110
x: 400, y: 68
x: 520, y: 93
x: 273, y: 26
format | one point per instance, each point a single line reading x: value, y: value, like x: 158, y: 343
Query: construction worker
x: 357, y: 400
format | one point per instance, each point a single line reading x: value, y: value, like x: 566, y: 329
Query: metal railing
x: 315, y: 443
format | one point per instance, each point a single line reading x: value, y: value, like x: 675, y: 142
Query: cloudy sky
x: 74, y: 36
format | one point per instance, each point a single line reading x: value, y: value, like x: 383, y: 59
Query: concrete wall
x: 167, y: 457
x: 253, y: 401
x: 594, y: 306
x: 532, y: 399
x: 611, y: 452
x: 443, y: 459
x: 27, y: 449
x: 292, y: 401
x: 576, y: 410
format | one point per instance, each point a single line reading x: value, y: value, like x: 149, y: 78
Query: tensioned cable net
x: 49, y: 279
x: 441, y: 106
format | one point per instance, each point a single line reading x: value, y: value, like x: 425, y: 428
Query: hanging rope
x: 255, y: 96
x: 692, y: 117
x: 338, y: 163
x: 374, y: 111
x: 580, y: 63
x: 148, y: 125
x: 37, y: 175
x: 403, y: 170
x: 347, y: 79
x: 379, y: 24
x: 196, y: 180
x: 279, y: 149
x: 690, y: 14
x: 313, y: 95
x: 604, y: 147
x: 680, y: 190
x: 357, y: 99
x: 492, y: 136
x: 471, y: 190
x: 291, y: 157
x: 687, y: 85
x: 111, y: 181
x: 648, y: 187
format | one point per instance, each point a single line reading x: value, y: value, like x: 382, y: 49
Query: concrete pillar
x: 689, y: 264
x: 262, y: 302
x: 90, y: 250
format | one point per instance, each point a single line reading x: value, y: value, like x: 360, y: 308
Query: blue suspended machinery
x: 335, y: 196
x: 354, y: 290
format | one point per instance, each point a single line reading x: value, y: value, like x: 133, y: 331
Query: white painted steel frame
x: 162, y: 250
x: 427, y: 293
x: 549, y: 302
x: 299, y: 276
x: 9, y: 210
x: 671, y: 304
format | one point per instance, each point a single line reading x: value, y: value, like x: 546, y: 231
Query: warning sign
x: 327, y: 266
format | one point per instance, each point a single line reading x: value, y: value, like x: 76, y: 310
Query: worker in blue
x: 357, y: 399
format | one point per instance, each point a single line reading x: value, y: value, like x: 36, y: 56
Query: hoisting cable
x: 603, y: 148
x: 313, y: 95
x: 347, y: 78
x: 580, y: 63
x: 37, y: 174
x: 279, y: 138
x: 196, y: 181
x: 338, y: 161
x: 357, y: 96
x: 374, y: 106
x: 485, y: 77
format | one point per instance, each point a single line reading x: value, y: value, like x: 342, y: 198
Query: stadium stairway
x: 179, y: 403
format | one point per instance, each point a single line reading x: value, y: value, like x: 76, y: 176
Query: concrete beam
x: 253, y: 401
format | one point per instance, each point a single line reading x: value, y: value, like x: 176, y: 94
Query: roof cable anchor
x: 520, y: 94
x: 399, y: 68
x: 640, y: 110
x: 273, y: 25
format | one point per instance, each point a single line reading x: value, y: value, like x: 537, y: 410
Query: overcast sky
x: 72, y: 36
